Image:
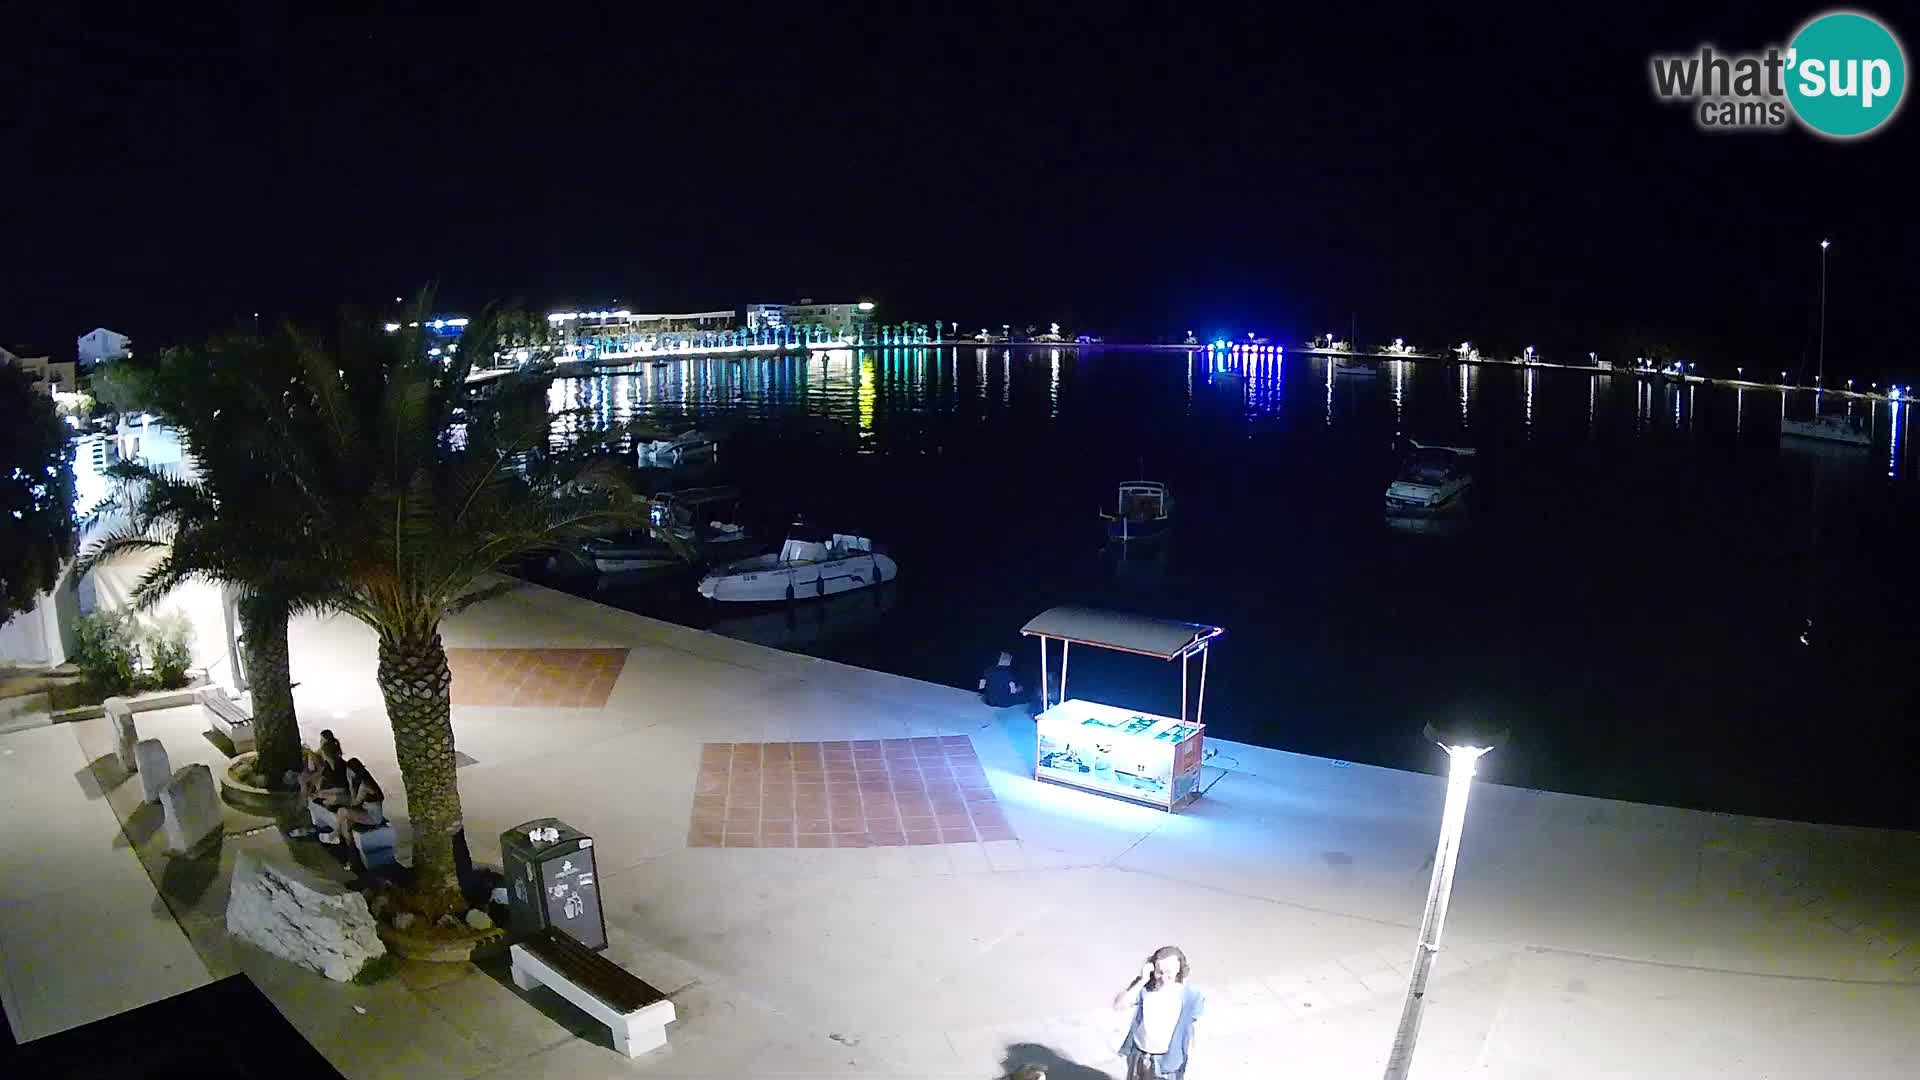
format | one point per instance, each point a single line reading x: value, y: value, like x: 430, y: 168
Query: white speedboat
x: 1434, y: 479
x: 685, y: 447
x: 1832, y: 429
x: 808, y: 564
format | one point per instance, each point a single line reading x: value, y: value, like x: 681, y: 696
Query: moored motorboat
x: 688, y: 446
x: 1434, y: 479
x: 1143, y: 509
x: 677, y: 533
x: 808, y: 564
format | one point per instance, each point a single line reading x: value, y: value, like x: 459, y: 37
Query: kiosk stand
x: 1111, y: 750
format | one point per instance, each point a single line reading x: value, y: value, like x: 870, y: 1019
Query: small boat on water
x: 1143, y: 510
x: 677, y: 526
x: 809, y: 563
x: 1434, y: 479
x: 1846, y: 430
x: 686, y: 447
x: 1355, y: 367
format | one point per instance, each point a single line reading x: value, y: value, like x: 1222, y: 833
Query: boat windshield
x: 1429, y: 470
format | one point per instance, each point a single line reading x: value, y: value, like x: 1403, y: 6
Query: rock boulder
x: 310, y: 920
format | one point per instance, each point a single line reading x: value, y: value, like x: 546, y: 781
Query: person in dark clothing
x: 997, y: 687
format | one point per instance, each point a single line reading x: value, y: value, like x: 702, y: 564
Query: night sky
x: 1439, y: 174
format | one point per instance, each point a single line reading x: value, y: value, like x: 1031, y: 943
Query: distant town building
x: 99, y: 345
x: 584, y: 335
x: 841, y: 320
x: 48, y: 376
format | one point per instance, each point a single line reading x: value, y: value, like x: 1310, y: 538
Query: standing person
x: 997, y: 687
x: 1160, y: 1040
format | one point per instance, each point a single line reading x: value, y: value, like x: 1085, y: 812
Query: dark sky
x: 1437, y: 173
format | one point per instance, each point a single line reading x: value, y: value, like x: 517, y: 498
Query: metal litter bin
x: 552, y: 883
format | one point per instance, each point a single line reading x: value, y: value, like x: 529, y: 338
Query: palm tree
x: 421, y: 485
x: 239, y: 524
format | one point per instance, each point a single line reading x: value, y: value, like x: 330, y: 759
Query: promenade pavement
x: 1587, y: 937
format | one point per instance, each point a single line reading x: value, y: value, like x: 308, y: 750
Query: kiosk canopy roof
x: 1164, y: 638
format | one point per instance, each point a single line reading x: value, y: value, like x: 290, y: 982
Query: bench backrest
x: 592, y: 972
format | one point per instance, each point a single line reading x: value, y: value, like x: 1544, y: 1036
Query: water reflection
x: 883, y: 395
x: 1527, y: 380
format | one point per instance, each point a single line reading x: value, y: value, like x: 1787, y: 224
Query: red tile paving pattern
x: 864, y: 793
x: 580, y: 678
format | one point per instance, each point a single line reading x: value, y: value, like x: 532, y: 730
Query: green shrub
x: 377, y: 969
x: 168, y: 647
x: 106, y: 654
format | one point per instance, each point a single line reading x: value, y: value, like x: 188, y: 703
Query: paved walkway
x: 1587, y: 938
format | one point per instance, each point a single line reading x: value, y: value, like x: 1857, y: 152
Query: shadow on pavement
x: 100, y: 776
x: 1023, y: 1055
x: 225, y: 1030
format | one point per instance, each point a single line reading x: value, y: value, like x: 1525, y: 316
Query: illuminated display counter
x: 1131, y: 755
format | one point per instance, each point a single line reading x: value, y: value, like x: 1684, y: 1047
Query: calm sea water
x: 1628, y: 587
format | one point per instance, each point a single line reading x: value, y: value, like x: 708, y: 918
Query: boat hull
x: 1831, y: 434
x: 757, y: 581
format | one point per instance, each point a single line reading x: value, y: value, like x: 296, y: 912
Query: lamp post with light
x: 1823, y: 305
x: 1464, y: 742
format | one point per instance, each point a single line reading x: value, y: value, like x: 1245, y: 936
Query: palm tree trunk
x: 276, y: 731
x: 417, y: 687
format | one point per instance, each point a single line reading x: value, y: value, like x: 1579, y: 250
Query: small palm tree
x: 420, y: 485
x: 238, y: 524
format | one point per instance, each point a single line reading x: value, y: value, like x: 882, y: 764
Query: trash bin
x: 552, y: 882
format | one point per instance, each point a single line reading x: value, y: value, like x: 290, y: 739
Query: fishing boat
x: 692, y: 522
x: 808, y: 564
x: 1846, y: 430
x: 1434, y: 479
x: 1143, y: 510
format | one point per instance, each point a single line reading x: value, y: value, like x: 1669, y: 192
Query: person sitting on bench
x: 323, y: 787
x: 364, y: 805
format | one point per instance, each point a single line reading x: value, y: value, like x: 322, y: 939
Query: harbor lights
x: 1464, y: 740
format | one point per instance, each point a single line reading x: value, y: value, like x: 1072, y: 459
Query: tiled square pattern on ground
x: 863, y: 793
x: 581, y: 678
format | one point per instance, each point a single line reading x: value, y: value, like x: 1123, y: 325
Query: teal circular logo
x: 1846, y: 74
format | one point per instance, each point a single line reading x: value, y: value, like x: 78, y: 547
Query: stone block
x: 190, y: 805
x: 120, y: 714
x: 155, y: 771
x: 303, y: 918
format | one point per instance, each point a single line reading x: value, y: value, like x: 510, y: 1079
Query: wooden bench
x: 636, y: 1013
x: 228, y: 717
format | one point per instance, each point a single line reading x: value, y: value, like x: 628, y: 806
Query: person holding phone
x: 1166, y: 1008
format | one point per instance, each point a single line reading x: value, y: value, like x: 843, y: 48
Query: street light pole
x: 1464, y: 749
x: 1823, y: 306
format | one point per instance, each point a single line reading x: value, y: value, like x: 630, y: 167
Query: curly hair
x: 1162, y: 953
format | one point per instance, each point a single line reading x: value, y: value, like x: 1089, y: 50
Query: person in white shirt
x: 1165, y: 1009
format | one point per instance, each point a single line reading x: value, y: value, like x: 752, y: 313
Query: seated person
x: 364, y: 804
x: 324, y: 788
x: 997, y: 687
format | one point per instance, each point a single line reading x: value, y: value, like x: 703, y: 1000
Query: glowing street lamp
x: 1465, y: 741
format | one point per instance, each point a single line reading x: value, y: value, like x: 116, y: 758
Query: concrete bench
x: 636, y: 1013
x: 228, y: 717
